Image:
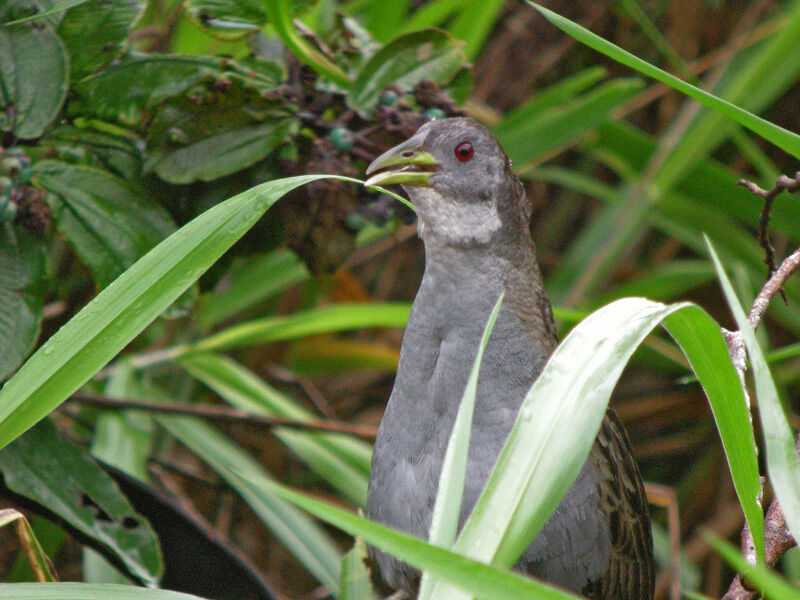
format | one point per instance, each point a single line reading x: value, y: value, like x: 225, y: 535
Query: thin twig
x: 222, y: 413
x: 783, y: 184
x: 777, y: 538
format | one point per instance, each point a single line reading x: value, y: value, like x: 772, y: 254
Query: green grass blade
x: 787, y: 140
x: 128, y: 305
x: 326, y: 319
x: 700, y: 338
x: 782, y: 464
x: 769, y: 583
x: 302, y: 537
x: 561, y: 415
x: 475, y: 23
x: 337, y: 458
x: 447, y: 507
x: 484, y: 581
x: 86, y: 591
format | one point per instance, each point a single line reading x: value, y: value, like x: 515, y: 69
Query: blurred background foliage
x: 124, y: 120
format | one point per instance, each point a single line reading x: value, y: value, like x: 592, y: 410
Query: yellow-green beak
x: 414, y: 167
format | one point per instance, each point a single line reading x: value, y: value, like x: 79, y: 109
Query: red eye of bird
x: 464, y: 151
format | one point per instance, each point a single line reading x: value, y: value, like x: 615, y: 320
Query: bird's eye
x: 464, y: 151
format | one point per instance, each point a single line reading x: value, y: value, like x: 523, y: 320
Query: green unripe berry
x: 11, y: 166
x: 435, y: 113
x: 342, y: 138
x: 387, y: 98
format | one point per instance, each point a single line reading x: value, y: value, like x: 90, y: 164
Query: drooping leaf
x: 60, y: 477
x: 38, y: 561
x: 110, y: 223
x: 782, y: 465
x: 34, y: 73
x: 22, y: 271
x: 128, y: 305
x: 540, y: 461
x: 94, y: 32
x: 405, y: 61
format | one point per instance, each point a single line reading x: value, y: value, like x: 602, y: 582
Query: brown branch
x: 777, y: 538
x: 222, y: 413
x: 783, y: 184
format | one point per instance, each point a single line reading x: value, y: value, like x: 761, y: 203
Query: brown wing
x: 631, y: 571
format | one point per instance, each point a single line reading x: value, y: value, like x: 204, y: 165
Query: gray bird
x: 474, y: 221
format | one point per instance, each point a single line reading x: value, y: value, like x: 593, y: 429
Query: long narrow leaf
x: 86, y: 591
x: 447, y: 507
x: 769, y: 583
x: 340, y: 460
x: 782, y: 464
x: 787, y: 140
x: 128, y: 305
x: 561, y: 416
x: 484, y: 581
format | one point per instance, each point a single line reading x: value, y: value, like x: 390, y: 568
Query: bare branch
x: 222, y: 413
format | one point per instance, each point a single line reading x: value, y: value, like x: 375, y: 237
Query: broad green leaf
x: 22, y: 272
x: 561, y: 415
x: 545, y: 130
x: 769, y: 583
x: 787, y: 140
x: 34, y: 73
x: 85, y: 591
x: 249, y: 282
x: 483, y: 581
x: 221, y: 153
x: 55, y: 7
x: 94, y: 32
x: 405, y: 61
x: 110, y: 223
x: 302, y: 537
x: 129, y: 304
x: 95, y: 148
x: 111, y: 94
x: 355, y: 580
x: 62, y: 478
x: 337, y: 458
x: 450, y: 492
x: 782, y: 465
x: 326, y: 319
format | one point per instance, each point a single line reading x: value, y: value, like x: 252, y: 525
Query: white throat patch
x: 456, y: 221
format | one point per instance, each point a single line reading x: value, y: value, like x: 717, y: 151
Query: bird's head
x: 460, y: 181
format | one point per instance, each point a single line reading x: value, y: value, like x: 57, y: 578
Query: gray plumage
x: 474, y: 220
